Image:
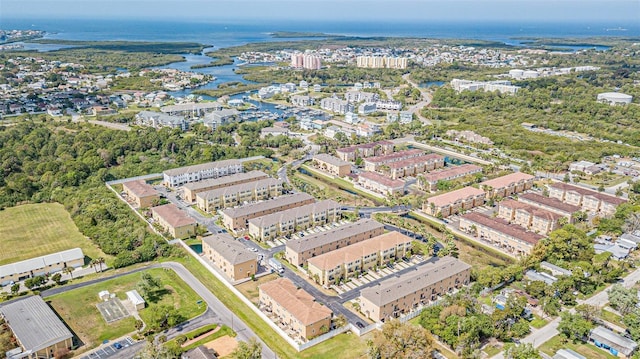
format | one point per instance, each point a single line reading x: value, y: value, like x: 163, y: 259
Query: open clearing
x: 78, y: 307
x: 33, y: 230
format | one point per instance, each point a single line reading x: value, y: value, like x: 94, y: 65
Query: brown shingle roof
x: 279, y: 217
x: 335, y: 161
x: 452, y: 172
x: 550, y: 202
x: 202, y: 167
x: 396, y: 156
x: 587, y: 192
x: 223, y: 181
x: 420, y: 159
x: 298, y: 302
x: 535, y: 211
x: 266, y: 205
x: 364, y: 145
x: 505, y: 181
x: 229, y: 248
x: 173, y: 215
x: 381, y: 179
x: 503, y: 226
x: 140, y: 188
x: 454, y: 196
x: 333, y: 235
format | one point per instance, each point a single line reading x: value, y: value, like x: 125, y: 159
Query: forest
x: 69, y: 163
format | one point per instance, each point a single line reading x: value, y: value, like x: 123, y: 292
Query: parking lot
x: 371, y: 276
x: 109, y: 349
x: 307, y: 232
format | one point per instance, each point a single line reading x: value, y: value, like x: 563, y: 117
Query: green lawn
x: 78, y: 307
x: 612, y: 318
x: 347, y: 346
x: 340, y: 183
x: 588, y: 350
x: 224, y: 330
x: 538, y: 322
x: 33, y: 230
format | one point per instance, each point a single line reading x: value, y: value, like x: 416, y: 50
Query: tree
x: 400, y: 340
x: 522, y: 351
x: 100, y: 262
x: 574, y: 326
x: 68, y: 270
x: 623, y: 299
x: 632, y: 321
x: 148, y: 286
x: 57, y: 278
x: 248, y: 350
x: 15, y: 288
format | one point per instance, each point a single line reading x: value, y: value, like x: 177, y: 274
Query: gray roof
x: 34, y: 323
x: 241, y: 187
x: 542, y: 277
x: 219, y: 115
x: 393, y: 289
x: 333, y: 235
x: 630, y: 237
x: 332, y: 160
x: 202, y: 167
x: 223, y: 181
x: 267, y: 205
x: 614, y: 340
x: 41, y: 262
x: 292, y: 213
x: 568, y: 354
x: 200, y: 352
x: 191, y: 106
x: 554, y: 268
x: 160, y: 117
x: 230, y: 249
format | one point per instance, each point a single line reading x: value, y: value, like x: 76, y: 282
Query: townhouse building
x: 233, y: 258
x: 226, y: 197
x: 507, y: 185
x: 174, y: 221
x: 550, y: 204
x: 295, y: 219
x: 237, y: 219
x: 190, y: 190
x: 141, y: 193
x: 178, y: 176
x: 331, y: 164
x: 349, y: 261
x: 530, y: 217
x: 298, y: 251
x: 414, y: 166
x: 454, y: 202
x: 336, y: 105
x: 373, y: 164
x: 429, y: 181
x: 396, y: 296
x: 589, y: 201
x: 43, y: 265
x: 509, y: 237
x: 376, y: 182
x: 294, y: 308
x: 365, y: 150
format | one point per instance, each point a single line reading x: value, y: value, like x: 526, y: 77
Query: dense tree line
x: 69, y: 164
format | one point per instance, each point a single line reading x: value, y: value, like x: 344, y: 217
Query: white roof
x: 135, y: 297
x: 616, y: 95
x: 37, y: 263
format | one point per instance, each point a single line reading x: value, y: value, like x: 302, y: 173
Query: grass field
x: 250, y: 288
x: 33, y: 230
x: 78, y: 307
x: 344, y: 346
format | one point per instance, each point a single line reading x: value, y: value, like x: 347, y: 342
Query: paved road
x: 539, y: 336
x: 426, y: 99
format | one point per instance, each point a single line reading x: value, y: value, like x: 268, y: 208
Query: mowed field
x: 33, y: 230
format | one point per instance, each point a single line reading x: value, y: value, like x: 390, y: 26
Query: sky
x: 623, y: 11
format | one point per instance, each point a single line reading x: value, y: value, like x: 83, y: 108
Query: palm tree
x: 100, y: 261
x: 68, y: 270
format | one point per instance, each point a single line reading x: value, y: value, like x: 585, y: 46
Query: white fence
x: 326, y: 336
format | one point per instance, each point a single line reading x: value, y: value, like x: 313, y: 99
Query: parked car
x: 117, y: 346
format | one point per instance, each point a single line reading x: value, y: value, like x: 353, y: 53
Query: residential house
x: 453, y: 202
x: 233, y: 258
x: 410, y: 291
x: 141, y: 193
x: 273, y: 131
x: 332, y: 165
x: 349, y: 261
x: 294, y: 308
x: 174, y: 221
x: 616, y: 344
x: 298, y: 251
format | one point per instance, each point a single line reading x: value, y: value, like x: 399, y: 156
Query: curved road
x: 218, y: 309
x: 426, y: 99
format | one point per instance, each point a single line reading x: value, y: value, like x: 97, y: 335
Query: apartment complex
x: 294, y: 308
x: 379, y: 183
x: 353, y: 259
x: 530, y: 217
x: 453, y: 202
x: 373, y: 164
x: 47, y: 264
x: 295, y: 219
x: 178, y: 176
x: 226, y: 197
x: 237, y: 218
x: 174, y: 221
x: 469, y: 85
x: 160, y: 120
x: 298, y: 251
x: 507, y: 185
x: 306, y: 61
x: 365, y: 150
x: 379, y: 62
x: 430, y: 181
x: 37, y: 329
x: 414, y: 166
x: 336, y: 105
x: 510, y: 237
x: 190, y: 190
x: 141, y: 193
x: 394, y: 297
x: 588, y: 200
x: 550, y: 204
x: 233, y: 258
x: 332, y: 165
